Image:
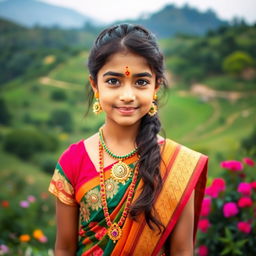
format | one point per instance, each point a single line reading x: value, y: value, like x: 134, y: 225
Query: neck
x: 122, y: 135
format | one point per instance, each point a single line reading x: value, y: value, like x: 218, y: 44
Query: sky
x: 113, y: 10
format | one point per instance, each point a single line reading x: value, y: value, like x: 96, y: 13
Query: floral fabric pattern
x: 61, y: 187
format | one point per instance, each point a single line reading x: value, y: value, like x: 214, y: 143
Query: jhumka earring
x: 153, y: 109
x: 96, y: 106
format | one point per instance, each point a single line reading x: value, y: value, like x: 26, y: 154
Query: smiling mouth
x: 126, y: 110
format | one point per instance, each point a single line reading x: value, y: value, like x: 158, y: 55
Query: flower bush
x: 26, y: 217
x: 227, y: 224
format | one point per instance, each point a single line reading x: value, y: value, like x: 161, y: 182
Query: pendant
x: 114, y: 232
x: 121, y: 172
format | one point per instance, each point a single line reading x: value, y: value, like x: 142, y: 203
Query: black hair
x: 138, y: 40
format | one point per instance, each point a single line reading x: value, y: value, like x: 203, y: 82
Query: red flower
x: 203, y: 225
x: 5, y: 204
x: 230, y: 209
x: 244, y: 188
x: 232, y: 165
x: 206, y: 207
x: 248, y: 161
x: 245, y: 202
x: 244, y: 227
x: 203, y: 250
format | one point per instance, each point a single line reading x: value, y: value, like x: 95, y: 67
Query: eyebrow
x: 111, y: 73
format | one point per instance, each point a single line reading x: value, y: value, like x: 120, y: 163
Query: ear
x: 93, y: 84
x: 158, y: 85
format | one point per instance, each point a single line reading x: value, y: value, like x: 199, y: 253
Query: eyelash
x: 144, y: 80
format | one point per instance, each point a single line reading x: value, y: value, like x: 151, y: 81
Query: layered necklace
x: 114, y: 228
x: 120, y: 172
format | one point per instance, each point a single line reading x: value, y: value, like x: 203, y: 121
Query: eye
x: 112, y: 81
x: 142, y: 82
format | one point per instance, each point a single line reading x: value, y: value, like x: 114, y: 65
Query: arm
x: 182, y: 236
x: 67, y: 229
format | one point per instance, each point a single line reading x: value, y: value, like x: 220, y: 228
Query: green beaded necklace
x: 120, y: 171
x: 133, y: 152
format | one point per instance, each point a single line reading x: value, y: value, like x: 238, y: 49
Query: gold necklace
x: 114, y: 230
x: 120, y: 172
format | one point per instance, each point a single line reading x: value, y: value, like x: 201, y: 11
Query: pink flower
x: 244, y: 227
x: 203, y: 225
x: 245, y: 202
x: 253, y: 185
x: 43, y: 239
x: 218, y: 185
x: 31, y: 199
x: 24, y: 204
x: 206, y: 206
x: 244, y: 188
x: 202, y: 250
x: 3, y: 249
x: 232, y: 165
x: 230, y: 209
x: 248, y: 161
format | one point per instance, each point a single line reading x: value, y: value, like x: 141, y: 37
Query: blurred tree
x: 237, y: 62
x: 5, y: 115
x: 61, y: 118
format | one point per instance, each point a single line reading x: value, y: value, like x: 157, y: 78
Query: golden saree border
x: 96, y: 181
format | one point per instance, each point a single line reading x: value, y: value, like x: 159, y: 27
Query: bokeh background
x: 210, y: 56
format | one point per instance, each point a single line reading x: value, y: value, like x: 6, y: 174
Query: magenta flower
x: 244, y: 227
x: 206, y: 206
x: 230, y: 209
x: 245, y: 202
x: 253, y: 185
x: 24, y: 204
x: 244, y: 188
x: 31, y: 199
x: 203, y: 225
x: 218, y: 185
x: 248, y: 161
x: 232, y: 165
x: 203, y: 250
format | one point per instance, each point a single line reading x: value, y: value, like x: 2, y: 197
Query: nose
x: 127, y: 94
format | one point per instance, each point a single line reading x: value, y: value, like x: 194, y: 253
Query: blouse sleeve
x: 61, y: 187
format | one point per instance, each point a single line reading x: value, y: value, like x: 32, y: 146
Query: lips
x: 126, y: 110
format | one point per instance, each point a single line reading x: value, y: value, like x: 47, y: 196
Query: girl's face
x: 126, y: 87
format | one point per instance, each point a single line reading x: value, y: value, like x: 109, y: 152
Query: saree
x: 76, y: 182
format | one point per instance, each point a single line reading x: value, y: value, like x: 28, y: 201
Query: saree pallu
x: 76, y: 182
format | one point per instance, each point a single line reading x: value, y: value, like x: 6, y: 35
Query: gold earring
x: 153, y: 109
x: 155, y: 97
x: 96, y: 106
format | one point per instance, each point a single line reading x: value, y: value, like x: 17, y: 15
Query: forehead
x: 119, y: 61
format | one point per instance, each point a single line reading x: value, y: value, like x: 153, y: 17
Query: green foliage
x: 62, y: 119
x: 5, y: 115
x: 24, y: 209
x: 237, y: 62
x: 249, y: 143
x: 26, y: 143
x: 59, y: 95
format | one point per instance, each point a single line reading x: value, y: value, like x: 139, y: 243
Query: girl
x: 126, y: 190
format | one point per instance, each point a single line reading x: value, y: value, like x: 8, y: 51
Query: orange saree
x: 183, y: 170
